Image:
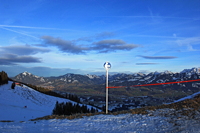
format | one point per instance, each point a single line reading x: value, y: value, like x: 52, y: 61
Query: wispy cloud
x: 101, y: 35
x: 19, y: 32
x: 92, y: 60
x: 8, y: 28
x: 188, y: 42
x: 156, y: 36
x: 147, y: 63
x: 104, y: 35
x: 22, y: 49
x: 158, y: 57
x: 29, y: 27
x: 125, y: 62
x: 155, y: 16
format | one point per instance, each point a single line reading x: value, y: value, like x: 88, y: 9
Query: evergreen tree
x: 68, y: 109
x: 104, y: 108
x: 3, y: 78
x: 13, y: 85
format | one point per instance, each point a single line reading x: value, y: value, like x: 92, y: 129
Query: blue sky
x: 51, y: 38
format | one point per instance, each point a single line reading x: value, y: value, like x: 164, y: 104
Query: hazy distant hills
x: 93, y: 84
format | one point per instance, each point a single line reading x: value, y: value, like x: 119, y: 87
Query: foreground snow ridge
x: 123, y: 123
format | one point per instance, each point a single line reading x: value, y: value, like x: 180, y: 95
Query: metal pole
x: 106, y: 91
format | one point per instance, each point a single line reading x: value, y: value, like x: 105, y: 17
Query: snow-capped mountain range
x: 157, y: 77
x: 116, y: 79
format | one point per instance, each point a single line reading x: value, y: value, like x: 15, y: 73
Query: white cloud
x: 188, y: 43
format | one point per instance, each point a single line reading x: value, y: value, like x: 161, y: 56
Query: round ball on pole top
x: 107, y: 65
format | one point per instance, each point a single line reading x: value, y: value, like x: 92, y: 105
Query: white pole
x: 106, y: 91
x: 107, y: 66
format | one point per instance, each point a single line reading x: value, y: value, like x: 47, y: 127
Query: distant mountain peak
x: 192, y: 70
x: 168, y: 72
x: 26, y: 73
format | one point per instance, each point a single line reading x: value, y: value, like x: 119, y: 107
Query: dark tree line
x: 68, y: 109
x: 73, y: 97
x: 3, y: 78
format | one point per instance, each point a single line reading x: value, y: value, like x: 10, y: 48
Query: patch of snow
x: 75, y: 81
x: 187, y: 97
x: 24, y: 103
x: 26, y: 73
x: 166, y: 72
x: 90, y: 76
x: 174, y: 78
x: 42, y: 80
x: 120, y: 81
x: 132, y: 80
x: 149, y: 81
x: 68, y: 75
x: 37, y: 76
x: 148, y: 77
x: 160, y: 81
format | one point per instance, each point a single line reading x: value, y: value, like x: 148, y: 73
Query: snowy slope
x: 13, y: 102
x: 187, y: 97
x: 155, y: 122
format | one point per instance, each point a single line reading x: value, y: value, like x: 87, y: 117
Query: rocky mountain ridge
x: 137, y: 78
